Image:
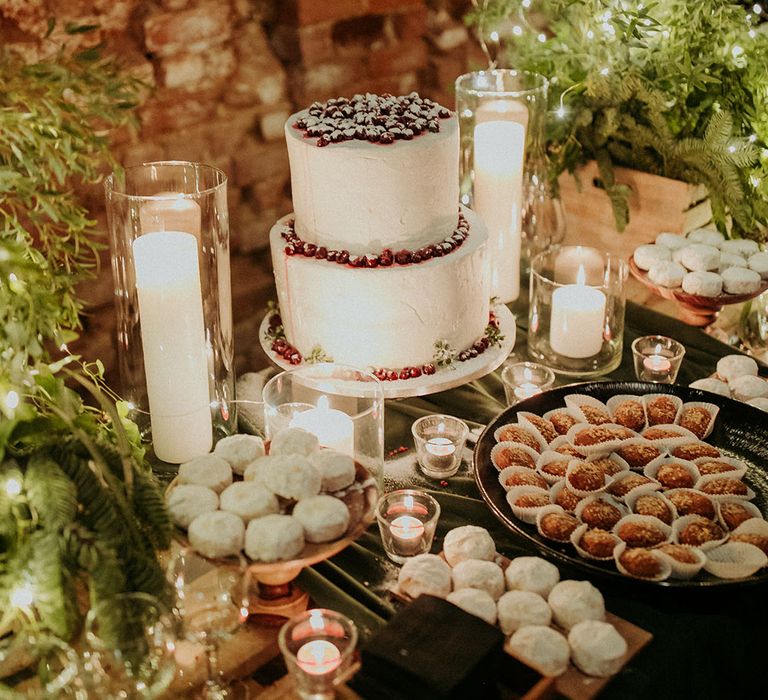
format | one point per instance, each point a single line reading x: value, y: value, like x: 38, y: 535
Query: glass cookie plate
x: 442, y: 380
x: 740, y: 431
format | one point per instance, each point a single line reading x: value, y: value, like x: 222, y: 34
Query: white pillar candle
x: 578, y: 318
x: 173, y: 340
x: 334, y: 429
x: 498, y: 199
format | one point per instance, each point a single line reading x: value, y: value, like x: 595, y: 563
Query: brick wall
x: 225, y: 74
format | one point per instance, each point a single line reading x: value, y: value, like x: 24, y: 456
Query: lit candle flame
x: 581, y: 275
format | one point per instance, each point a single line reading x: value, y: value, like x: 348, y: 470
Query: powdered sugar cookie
x: 673, y: 241
x: 740, y: 280
x: 700, y: 257
x: 705, y: 284
x: 759, y: 263
x: 666, y: 274
x: 646, y: 255
x: 732, y: 366
x: 706, y: 236
x: 740, y: 246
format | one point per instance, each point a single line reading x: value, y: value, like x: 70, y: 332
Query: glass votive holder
x: 407, y: 521
x: 318, y: 647
x: 576, y: 313
x: 525, y: 379
x: 439, y: 444
x: 657, y: 358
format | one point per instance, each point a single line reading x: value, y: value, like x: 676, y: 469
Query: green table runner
x: 707, y: 643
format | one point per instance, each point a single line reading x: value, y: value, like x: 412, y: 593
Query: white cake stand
x: 443, y: 379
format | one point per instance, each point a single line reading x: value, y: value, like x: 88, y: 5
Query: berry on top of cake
x: 376, y: 118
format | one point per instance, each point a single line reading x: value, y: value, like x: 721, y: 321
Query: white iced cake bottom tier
x: 391, y: 316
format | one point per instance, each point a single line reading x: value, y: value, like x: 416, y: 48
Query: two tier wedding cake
x: 378, y: 267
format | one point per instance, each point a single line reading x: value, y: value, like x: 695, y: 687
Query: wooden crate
x: 656, y: 204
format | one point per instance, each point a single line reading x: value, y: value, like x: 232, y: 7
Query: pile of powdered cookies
x: 737, y: 378
x: 239, y: 498
x: 704, y: 263
x: 548, y: 622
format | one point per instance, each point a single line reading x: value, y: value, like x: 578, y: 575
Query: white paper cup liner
x: 734, y: 560
x: 649, y: 401
x: 676, y: 435
x: 635, y: 464
x: 550, y: 457
x: 533, y: 435
x: 588, y: 409
x: 706, y: 484
x: 598, y: 439
x: 753, y: 526
x: 616, y: 401
x: 554, y: 413
x: 517, y: 452
x: 681, y: 569
x: 665, y: 569
x: 648, y: 523
x: 633, y: 497
x: 576, y: 536
x: 574, y: 466
x: 711, y: 408
x: 525, y: 473
x: 679, y: 526
x: 546, y: 510
x: 752, y: 510
x: 652, y: 471
x: 605, y: 498
x: 527, y: 515
x: 536, y: 423
x: 554, y: 492
x: 738, y: 468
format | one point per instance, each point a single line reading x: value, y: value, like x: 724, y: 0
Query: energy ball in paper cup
x: 599, y: 439
x: 662, y: 409
x: 600, y: 511
x: 521, y: 476
x: 733, y: 512
x: 561, y: 418
x: 625, y: 484
x: 536, y: 423
x: 654, y: 504
x: 563, y: 446
x: 588, y: 409
x: 642, y: 563
x: 692, y: 502
x: 521, y: 435
x: 667, y: 436
x: 511, y: 454
x: 611, y: 464
x: 586, y: 478
x: 734, y: 560
x: 555, y: 524
x: 642, y: 530
x: 527, y: 501
x: 627, y: 410
x: 638, y: 453
x: 698, y: 417
x: 734, y: 468
x: 686, y: 561
x: 562, y: 496
x: 753, y: 531
x: 553, y: 465
x: 693, y: 450
x: 673, y: 473
x: 698, y: 531
x: 722, y: 486
x: 594, y: 543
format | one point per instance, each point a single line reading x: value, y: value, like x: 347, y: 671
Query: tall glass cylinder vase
x: 502, y: 116
x: 342, y: 406
x: 169, y: 238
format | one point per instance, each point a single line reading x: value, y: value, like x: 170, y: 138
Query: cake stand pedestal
x: 445, y: 378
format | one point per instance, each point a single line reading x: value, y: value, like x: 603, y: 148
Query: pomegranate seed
x: 402, y: 257
x: 290, y: 250
x: 428, y: 368
x: 392, y: 375
x: 405, y: 373
x: 322, y: 253
x: 415, y: 372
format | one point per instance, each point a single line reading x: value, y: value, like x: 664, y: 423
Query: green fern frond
x: 151, y: 511
x: 50, y: 493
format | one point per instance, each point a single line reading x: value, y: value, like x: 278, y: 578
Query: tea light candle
x: 318, y: 657
x: 173, y: 341
x: 333, y: 428
x: 407, y: 533
x: 657, y: 363
x: 441, y: 451
x: 578, y: 319
x: 526, y: 390
x: 498, y: 197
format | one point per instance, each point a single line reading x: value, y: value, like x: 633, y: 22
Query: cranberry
x: 343, y: 257
x: 472, y: 352
x: 415, y: 372
x: 392, y: 375
x: 402, y: 257
x: 322, y: 253
x: 290, y: 250
x: 480, y: 346
x: 323, y: 141
x: 295, y: 359
x: 299, y: 247
x: 279, y: 345
x: 310, y: 249
x: 405, y: 373
x: 384, y: 260
x: 428, y: 368
x: 443, y: 113
x: 416, y: 258
x: 463, y: 356
x: 332, y: 255
x: 387, y: 137
x: 380, y: 374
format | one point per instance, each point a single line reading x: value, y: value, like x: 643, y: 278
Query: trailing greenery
x: 81, y: 514
x: 674, y: 88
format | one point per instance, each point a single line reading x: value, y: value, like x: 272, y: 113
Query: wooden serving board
x: 573, y: 684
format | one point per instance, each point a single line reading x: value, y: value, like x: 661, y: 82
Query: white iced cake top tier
x: 374, y: 172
